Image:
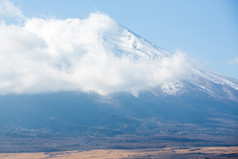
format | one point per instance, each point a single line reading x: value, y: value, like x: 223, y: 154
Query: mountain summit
x: 91, y: 83
x: 96, y: 55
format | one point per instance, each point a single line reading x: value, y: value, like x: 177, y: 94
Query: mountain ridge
x: 94, y: 84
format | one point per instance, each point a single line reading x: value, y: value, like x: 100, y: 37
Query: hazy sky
x: 207, y: 30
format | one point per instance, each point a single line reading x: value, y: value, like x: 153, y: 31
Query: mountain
x: 189, y: 106
x: 201, y: 79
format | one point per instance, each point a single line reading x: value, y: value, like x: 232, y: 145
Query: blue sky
x: 206, y: 30
x: 45, y: 47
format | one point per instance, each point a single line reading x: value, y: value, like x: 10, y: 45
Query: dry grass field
x: 170, y: 152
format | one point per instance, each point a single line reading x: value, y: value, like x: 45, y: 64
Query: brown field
x: 174, y: 152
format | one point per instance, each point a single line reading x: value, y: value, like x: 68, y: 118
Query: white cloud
x: 234, y: 61
x: 8, y: 9
x: 94, y: 54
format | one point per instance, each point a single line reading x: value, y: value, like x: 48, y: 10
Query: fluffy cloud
x: 8, y: 9
x: 91, y: 55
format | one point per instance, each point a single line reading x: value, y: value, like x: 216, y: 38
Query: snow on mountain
x: 199, y: 76
x: 94, y: 55
x: 214, y: 77
x: 128, y: 43
x: 90, y: 55
x: 125, y: 87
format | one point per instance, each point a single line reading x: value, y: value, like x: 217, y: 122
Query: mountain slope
x: 105, y: 87
x: 68, y: 119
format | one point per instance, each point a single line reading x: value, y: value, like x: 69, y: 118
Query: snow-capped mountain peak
x: 94, y: 55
